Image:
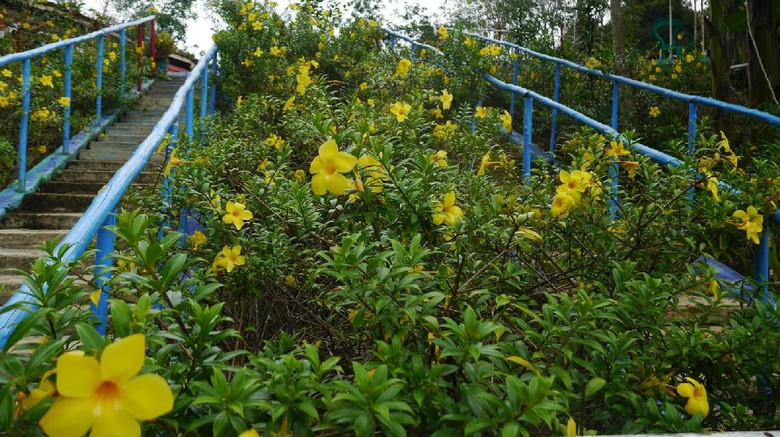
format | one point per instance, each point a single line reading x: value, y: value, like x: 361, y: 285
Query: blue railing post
x: 392, y: 42
x: 189, y: 122
x: 99, y: 81
x: 67, y: 91
x: 556, y: 98
x: 23, y: 125
x: 761, y: 265
x: 213, y: 98
x: 692, y: 118
x: 414, y: 51
x: 204, y: 90
x: 615, y: 104
x: 528, y: 112
x: 167, y: 186
x: 103, y: 262
x: 515, y: 73
x: 122, y: 62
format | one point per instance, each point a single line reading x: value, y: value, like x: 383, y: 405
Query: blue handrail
x: 101, y: 212
x: 67, y: 44
x: 761, y: 251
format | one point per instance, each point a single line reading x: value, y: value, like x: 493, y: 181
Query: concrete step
x: 37, y: 220
x: 138, y: 127
x: 18, y: 258
x: 56, y: 202
x: 77, y: 187
x: 114, y: 144
x: 107, y: 165
x: 69, y: 179
x: 28, y: 238
x: 114, y: 155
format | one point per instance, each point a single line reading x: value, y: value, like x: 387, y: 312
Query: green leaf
x: 89, y: 336
x: 121, y: 316
x: 594, y: 385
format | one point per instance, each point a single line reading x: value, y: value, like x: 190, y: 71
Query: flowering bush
x: 370, y: 260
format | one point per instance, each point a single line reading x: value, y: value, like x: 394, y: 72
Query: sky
x: 199, y: 30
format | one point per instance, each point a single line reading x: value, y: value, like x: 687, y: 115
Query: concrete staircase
x: 57, y: 205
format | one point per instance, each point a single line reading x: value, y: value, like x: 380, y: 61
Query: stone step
x: 36, y: 220
x: 18, y: 258
x: 125, y: 137
x: 114, y: 144
x: 75, y: 187
x: 89, y: 181
x: 106, y: 165
x: 138, y: 127
x: 114, y: 155
x: 56, y: 202
x: 27, y: 238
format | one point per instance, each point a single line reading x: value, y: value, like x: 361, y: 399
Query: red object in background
x: 153, y: 38
x: 140, y: 32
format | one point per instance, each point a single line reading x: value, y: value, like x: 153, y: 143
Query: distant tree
x: 171, y: 14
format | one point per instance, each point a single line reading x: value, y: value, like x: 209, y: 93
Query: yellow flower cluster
x: 445, y: 131
x: 403, y: 68
x: 445, y: 99
x: 573, y: 185
x: 275, y: 141
x: 490, y: 50
x: 503, y: 162
x: 42, y: 114
x: 506, y: 121
x: 749, y: 221
x: 228, y: 259
x: 443, y: 34
x: 401, y: 110
x: 302, y: 78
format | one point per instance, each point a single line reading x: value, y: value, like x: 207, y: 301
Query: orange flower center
x: 107, y: 396
x: 330, y: 168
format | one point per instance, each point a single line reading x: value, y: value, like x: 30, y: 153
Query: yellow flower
x: 275, y: 141
x: 484, y: 164
x: 630, y: 166
x: 651, y: 77
x: 689, y: 58
x: 443, y: 34
x: 258, y: 52
x: 327, y: 168
x: 46, y: 81
x: 401, y: 110
x: 299, y: 175
x: 440, y: 158
x: 712, y: 185
x: 616, y: 149
x: 239, y: 100
x: 64, y: 101
x: 107, y: 396
x: 249, y: 433
x: 289, y: 104
x: 655, y: 111
x: 56, y: 73
x: 575, y: 182
x: 363, y: 86
x: 506, y: 121
x: 45, y: 389
x: 697, y: 397
x: 436, y: 112
x: 403, y: 67
x: 248, y: 62
x: 446, y: 99
x: 571, y: 428
x: 229, y: 258
x: 42, y: 149
x: 750, y: 221
x: 196, y: 239
x: 561, y: 204
x: 376, y: 173
x: 257, y: 25
x: 303, y: 80
x: 236, y: 214
x: 446, y: 212
x: 6, y: 72
x: 4, y: 101
x: 481, y: 112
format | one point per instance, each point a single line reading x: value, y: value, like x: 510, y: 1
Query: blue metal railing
x: 761, y: 251
x: 101, y: 212
x: 68, y: 45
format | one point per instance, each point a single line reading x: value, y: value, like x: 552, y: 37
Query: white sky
x: 199, y: 31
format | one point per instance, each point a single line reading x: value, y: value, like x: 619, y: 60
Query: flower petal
x: 69, y: 417
x: 338, y: 184
x: 449, y: 199
x: 344, y: 162
x: 77, y: 376
x: 329, y: 148
x: 319, y: 183
x: 147, y: 397
x: 124, y: 359
x: 685, y: 390
x: 697, y: 405
x: 317, y: 165
x: 116, y: 424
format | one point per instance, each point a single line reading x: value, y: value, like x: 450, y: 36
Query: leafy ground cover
x: 369, y: 260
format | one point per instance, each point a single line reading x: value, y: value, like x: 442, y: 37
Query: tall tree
x: 763, y: 33
x: 618, y: 31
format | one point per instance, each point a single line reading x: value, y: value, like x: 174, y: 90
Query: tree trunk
x: 764, y: 49
x: 618, y: 33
